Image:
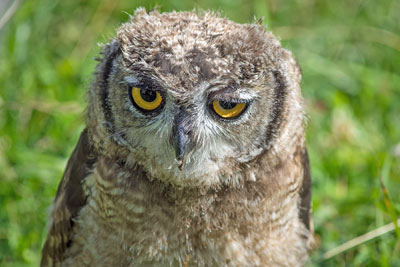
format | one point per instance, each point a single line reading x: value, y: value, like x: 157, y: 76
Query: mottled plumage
x: 216, y: 174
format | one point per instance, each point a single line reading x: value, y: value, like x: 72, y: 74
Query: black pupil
x: 148, y: 95
x: 227, y: 105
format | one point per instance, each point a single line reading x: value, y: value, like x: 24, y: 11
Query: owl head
x: 193, y: 97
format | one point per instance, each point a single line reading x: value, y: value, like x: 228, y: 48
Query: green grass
x: 349, y: 51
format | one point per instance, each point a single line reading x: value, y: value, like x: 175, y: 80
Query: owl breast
x: 143, y: 223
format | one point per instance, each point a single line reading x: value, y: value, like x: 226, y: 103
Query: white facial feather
x: 212, y: 144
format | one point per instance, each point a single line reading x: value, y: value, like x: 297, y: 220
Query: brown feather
x: 305, y: 193
x: 69, y: 200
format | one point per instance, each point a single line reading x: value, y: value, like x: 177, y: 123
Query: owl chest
x: 144, y: 232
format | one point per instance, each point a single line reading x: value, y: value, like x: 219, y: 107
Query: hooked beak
x: 181, y: 137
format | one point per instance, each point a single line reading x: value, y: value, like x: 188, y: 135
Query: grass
x: 350, y: 55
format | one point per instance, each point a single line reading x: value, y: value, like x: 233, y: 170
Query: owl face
x: 190, y: 96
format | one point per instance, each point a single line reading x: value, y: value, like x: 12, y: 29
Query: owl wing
x: 305, y: 193
x: 69, y: 200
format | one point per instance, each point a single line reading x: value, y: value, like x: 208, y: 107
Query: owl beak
x: 181, y: 137
x: 181, y: 144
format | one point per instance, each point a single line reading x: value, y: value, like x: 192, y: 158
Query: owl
x: 193, y: 154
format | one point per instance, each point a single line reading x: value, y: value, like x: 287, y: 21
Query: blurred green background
x: 349, y: 51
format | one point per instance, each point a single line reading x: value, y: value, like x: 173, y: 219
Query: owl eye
x: 146, y: 100
x: 228, y: 110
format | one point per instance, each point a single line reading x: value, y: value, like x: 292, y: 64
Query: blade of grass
x: 48, y: 107
x: 360, y: 240
x: 386, y: 197
x: 9, y: 13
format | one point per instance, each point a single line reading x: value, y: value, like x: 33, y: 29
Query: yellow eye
x: 228, y: 110
x: 147, y: 100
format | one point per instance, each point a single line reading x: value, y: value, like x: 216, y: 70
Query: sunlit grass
x: 350, y: 55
